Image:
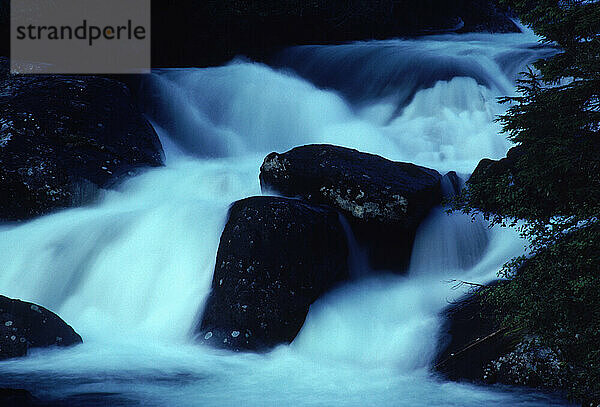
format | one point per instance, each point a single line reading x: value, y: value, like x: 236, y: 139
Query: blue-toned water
x: 130, y: 273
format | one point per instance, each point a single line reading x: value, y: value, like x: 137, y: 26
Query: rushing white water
x: 130, y: 273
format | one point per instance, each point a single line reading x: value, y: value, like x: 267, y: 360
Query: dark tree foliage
x: 549, y: 185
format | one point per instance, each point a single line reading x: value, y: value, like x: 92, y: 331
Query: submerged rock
x: 383, y: 200
x: 24, y: 325
x: 63, y: 137
x: 276, y: 257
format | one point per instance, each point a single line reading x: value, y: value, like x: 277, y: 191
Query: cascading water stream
x: 130, y: 272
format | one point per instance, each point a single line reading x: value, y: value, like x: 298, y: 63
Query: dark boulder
x: 24, y: 325
x: 276, y: 257
x: 489, y: 184
x: 451, y: 184
x: 476, y: 348
x: 383, y: 200
x: 472, y: 339
x: 63, y: 137
x: 495, y: 168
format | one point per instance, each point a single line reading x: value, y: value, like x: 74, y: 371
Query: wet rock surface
x: 276, y: 257
x: 451, y: 184
x: 475, y: 348
x: 24, y: 325
x: 472, y: 339
x: 487, y: 168
x: 63, y: 137
x: 383, y: 200
x: 491, y: 173
x: 530, y: 364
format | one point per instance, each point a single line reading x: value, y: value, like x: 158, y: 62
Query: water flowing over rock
x: 24, y: 325
x: 63, y: 137
x: 276, y: 257
x: 384, y: 200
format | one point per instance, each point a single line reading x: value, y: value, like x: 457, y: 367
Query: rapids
x: 131, y: 271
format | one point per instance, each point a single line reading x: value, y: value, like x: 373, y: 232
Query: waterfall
x: 131, y: 271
